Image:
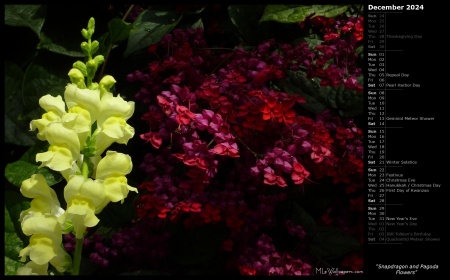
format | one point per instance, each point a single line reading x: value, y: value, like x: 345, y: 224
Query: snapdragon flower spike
x: 75, y: 151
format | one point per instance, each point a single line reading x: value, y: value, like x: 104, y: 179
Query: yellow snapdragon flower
x: 111, y: 170
x: 40, y: 222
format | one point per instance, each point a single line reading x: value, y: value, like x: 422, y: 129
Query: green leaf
x: 13, y: 244
x: 118, y: 30
x: 293, y: 14
x: 30, y: 154
x: 59, y: 47
x: 197, y: 24
x: 42, y: 78
x: 348, y: 102
x: 197, y: 245
x: 32, y: 16
x: 16, y: 129
x: 20, y: 170
x: 15, y: 203
x: 313, y: 41
x: 149, y: 28
x: 298, y: 84
x: 331, y: 243
x: 245, y: 18
x: 11, y: 265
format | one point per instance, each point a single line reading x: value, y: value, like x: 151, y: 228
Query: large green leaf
x: 41, y: 78
x: 30, y: 154
x: 32, y: 16
x: 348, y: 102
x: 149, y: 28
x: 293, y: 14
x: 331, y: 243
x: 245, y: 18
x: 297, y: 84
x: 118, y: 30
x: 20, y: 170
x: 16, y: 128
x: 59, y: 46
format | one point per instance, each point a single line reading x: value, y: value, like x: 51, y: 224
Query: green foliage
x: 32, y: 16
x: 293, y: 14
x: 14, y: 238
x: 40, y: 79
x: 54, y: 45
x: 245, y: 18
x: 318, y: 98
x: 119, y: 31
x: 16, y: 128
x: 20, y: 170
x: 149, y: 28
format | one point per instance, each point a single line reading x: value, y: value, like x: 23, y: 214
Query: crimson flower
x: 271, y: 179
x: 153, y: 138
x: 184, y: 115
x: 299, y: 174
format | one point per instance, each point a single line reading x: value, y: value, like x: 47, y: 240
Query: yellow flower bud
x: 106, y: 83
x: 77, y: 78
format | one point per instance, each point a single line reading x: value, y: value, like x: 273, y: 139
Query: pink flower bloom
x: 299, y: 174
x: 184, y: 115
x: 153, y: 138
